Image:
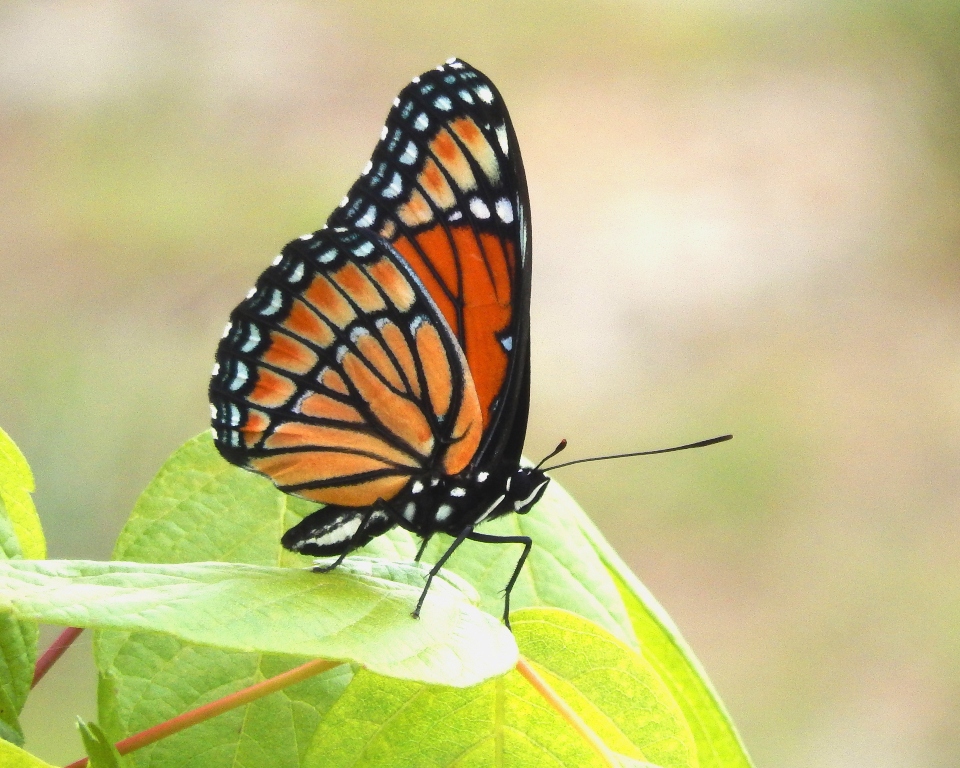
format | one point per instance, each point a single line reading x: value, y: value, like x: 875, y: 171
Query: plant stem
x: 214, y: 708
x: 566, y: 712
x: 55, y: 651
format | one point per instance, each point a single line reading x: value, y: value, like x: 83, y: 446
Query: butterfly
x: 381, y: 365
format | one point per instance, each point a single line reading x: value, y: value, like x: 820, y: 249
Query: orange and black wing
x: 338, y: 379
x: 445, y: 187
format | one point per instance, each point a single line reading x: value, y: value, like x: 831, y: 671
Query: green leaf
x: 11, y: 756
x: 505, y: 721
x: 360, y: 612
x: 717, y: 740
x: 100, y: 750
x: 18, y: 650
x: 16, y: 485
x: 199, y: 507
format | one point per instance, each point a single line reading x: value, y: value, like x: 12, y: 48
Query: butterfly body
x: 380, y: 366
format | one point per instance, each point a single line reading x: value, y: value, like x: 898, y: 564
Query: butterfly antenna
x: 560, y: 446
x: 700, y: 444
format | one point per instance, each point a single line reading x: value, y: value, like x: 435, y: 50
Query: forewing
x: 337, y: 377
x: 445, y: 186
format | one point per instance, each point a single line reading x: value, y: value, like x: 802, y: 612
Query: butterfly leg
x: 527, y: 544
x: 423, y: 546
x: 328, y: 568
x: 464, y: 534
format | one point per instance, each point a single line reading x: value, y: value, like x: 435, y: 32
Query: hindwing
x: 338, y: 377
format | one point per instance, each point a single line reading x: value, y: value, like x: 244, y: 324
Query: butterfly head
x: 525, y: 487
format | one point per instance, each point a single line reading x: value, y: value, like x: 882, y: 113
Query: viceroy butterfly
x: 381, y: 365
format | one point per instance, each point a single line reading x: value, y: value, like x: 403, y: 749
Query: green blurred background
x: 746, y: 220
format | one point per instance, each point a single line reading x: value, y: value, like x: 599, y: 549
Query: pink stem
x: 55, y: 651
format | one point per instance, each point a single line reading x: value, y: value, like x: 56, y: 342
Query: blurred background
x: 745, y: 219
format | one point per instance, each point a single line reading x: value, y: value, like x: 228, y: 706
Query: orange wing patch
x: 374, y: 353
x: 397, y: 344
x: 454, y: 161
x: 358, y: 494
x: 478, y: 146
x: 415, y: 211
x: 289, y: 354
x: 271, y: 390
x: 332, y: 439
x: 436, y: 185
x: 436, y: 368
x: 401, y: 416
x: 333, y: 381
x: 392, y: 283
x: 359, y: 288
x: 323, y: 407
x: 306, y: 324
x: 329, y: 301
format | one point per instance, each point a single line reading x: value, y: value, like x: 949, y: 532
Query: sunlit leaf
x: 11, y: 756
x: 18, y: 650
x: 360, y: 612
x: 16, y: 485
x: 506, y: 722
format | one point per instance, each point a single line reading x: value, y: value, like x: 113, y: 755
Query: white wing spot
x: 507, y: 343
x: 226, y: 330
x: 504, y: 210
x: 482, y: 476
x: 243, y: 373
x: 410, y: 511
x: 456, y: 65
x: 443, y: 512
x: 396, y: 186
x: 252, y: 340
x: 367, y: 219
x: 297, y: 273
x: 458, y: 492
x: 366, y: 168
x: 479, y: 208
x: 409, y: 156
x: 251, y: 292
x: 451, y: 60
x: 396, y: 101
x: 276, y: 301
x: 277, y: 259
x: 502, y: 139
x: 327, y: 256
x: 416, y: 79
x: 344, y: 201
x: 383, y: 133
x: 455, y: 216
x: 465, y: 95
x: 308, y: 236
x: 363, y: 249
x: 215, y: 371
x: 485, y: 94
x: 421, y: 122
x: 443, y: 103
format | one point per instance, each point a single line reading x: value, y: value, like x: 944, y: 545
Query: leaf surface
x: 100, y: 750
x: 12, y: 756
x: 18, y: 650
x: 357, y: 613
x: 506, y: 722
x: 16, y: 485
